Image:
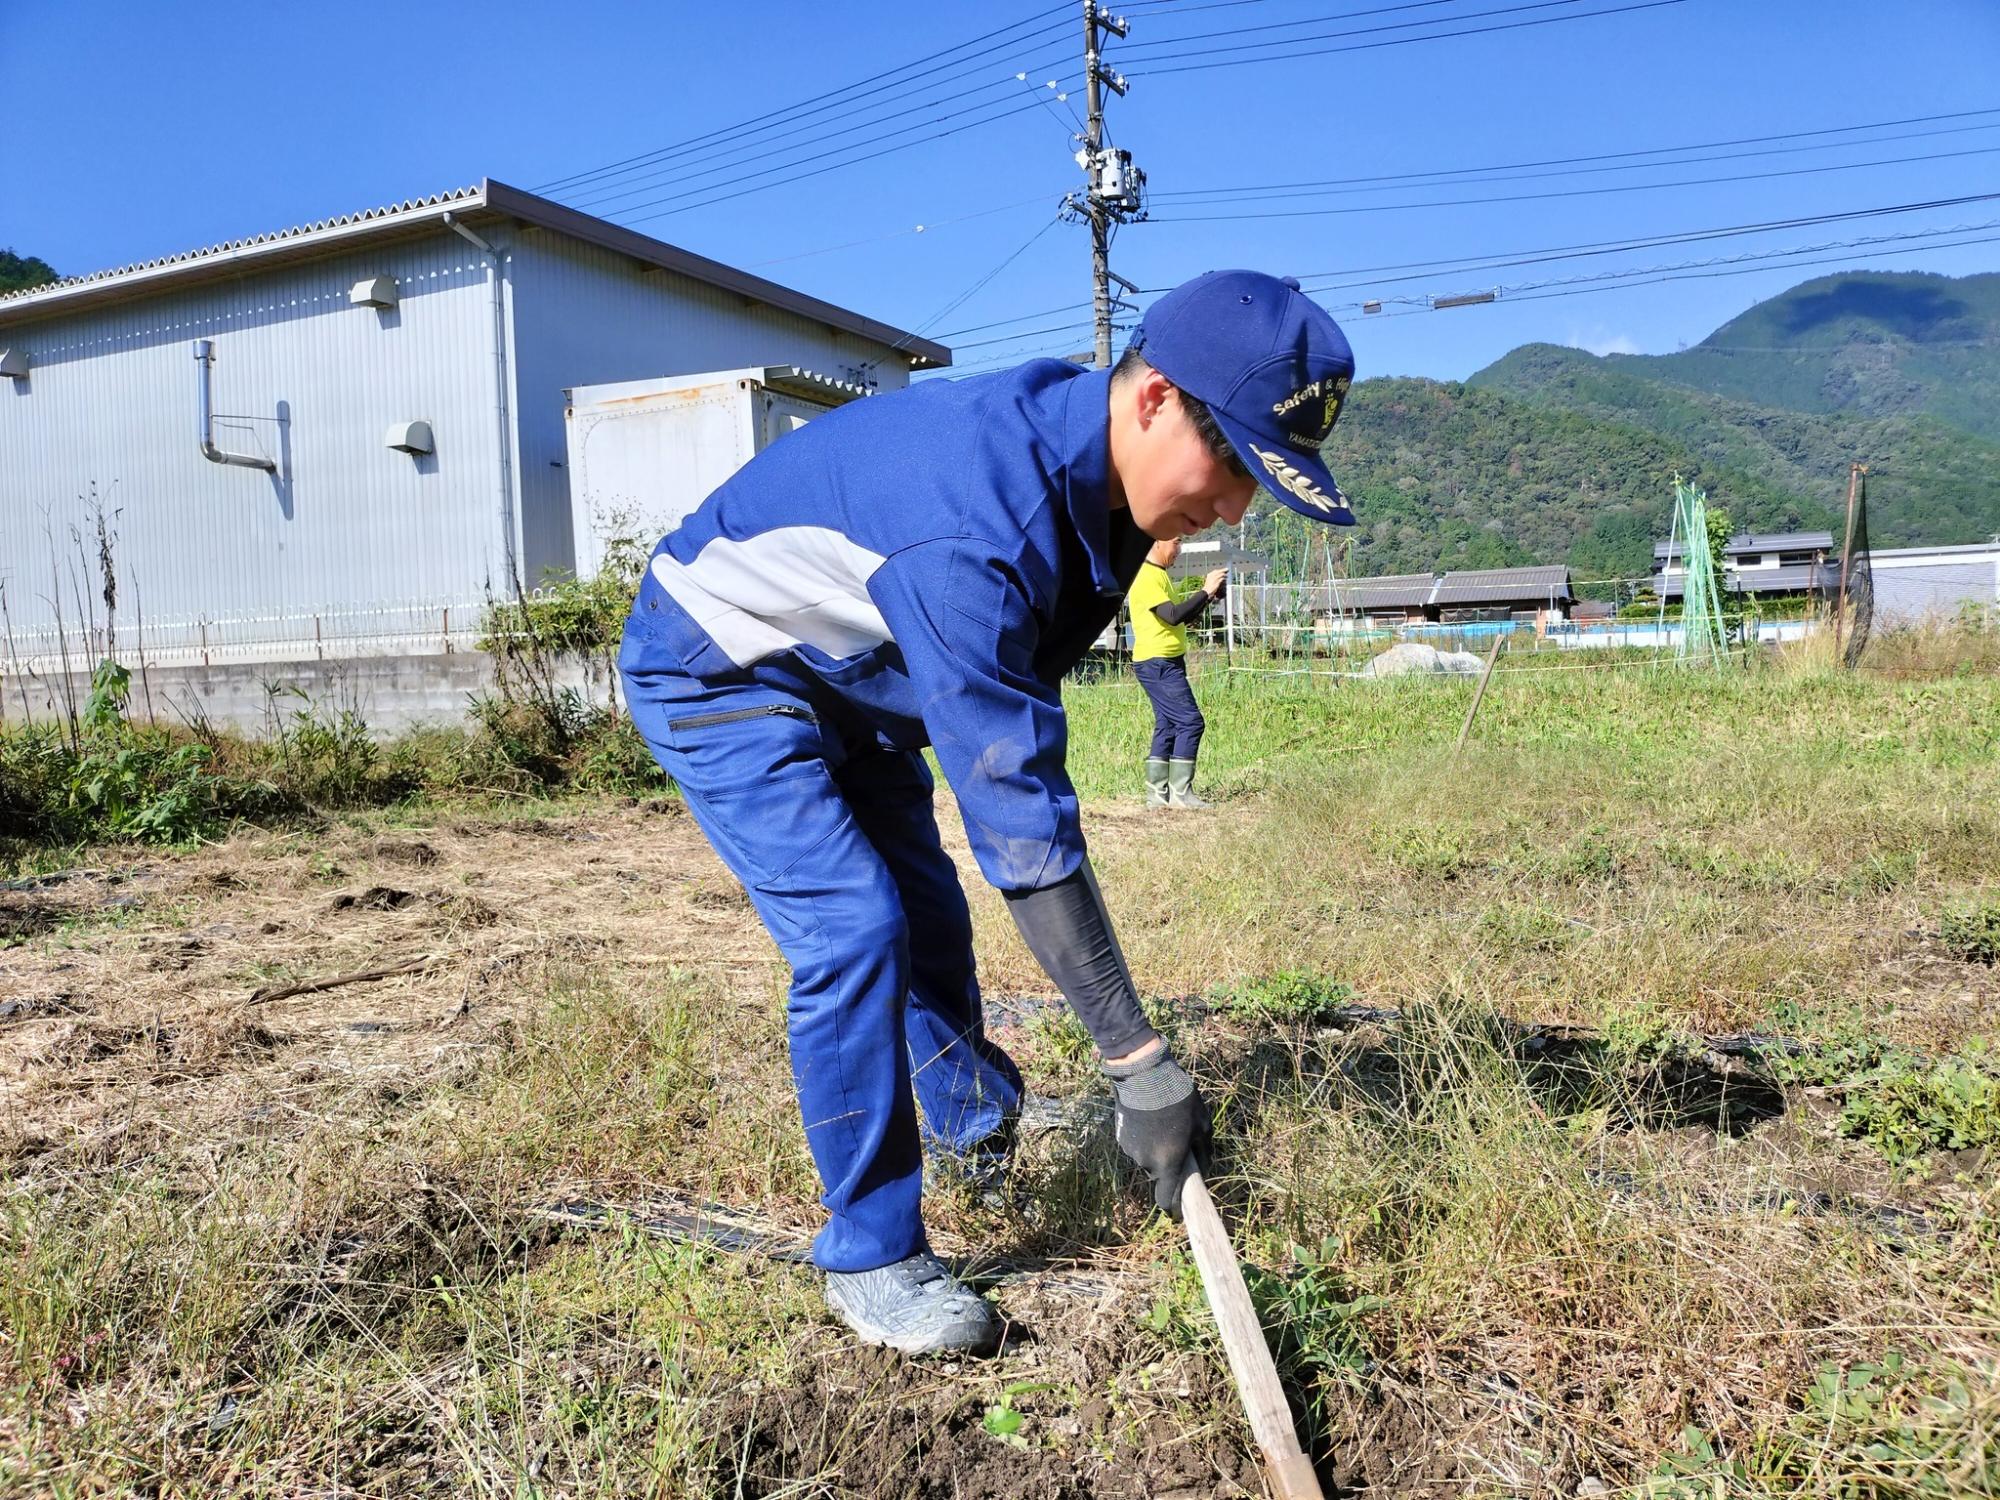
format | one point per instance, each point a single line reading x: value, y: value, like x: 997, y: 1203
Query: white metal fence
x: 424, y: 628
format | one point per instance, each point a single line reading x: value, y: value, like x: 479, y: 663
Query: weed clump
x: 1291, y: 997
x: 1906, y: 1110
x: 1971, y: 931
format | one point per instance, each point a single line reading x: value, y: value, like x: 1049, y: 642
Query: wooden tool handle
x: 1250, y: 1363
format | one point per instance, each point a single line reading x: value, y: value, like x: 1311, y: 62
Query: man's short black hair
x: 1133, y: 363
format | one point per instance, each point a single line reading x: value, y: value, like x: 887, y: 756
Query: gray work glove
x: 1163, y: 1124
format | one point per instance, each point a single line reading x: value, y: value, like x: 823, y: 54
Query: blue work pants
x: 835, y: 840
x: 1177, y: 720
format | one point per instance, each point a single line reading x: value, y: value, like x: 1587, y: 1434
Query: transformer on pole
x: 1114, y: 189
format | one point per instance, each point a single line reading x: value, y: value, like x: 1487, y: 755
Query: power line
x: 1054, y: 86
x: 1867, y: 242
x: 1574, y: 166
x: 1438, y: 36
x: 894, y: 234
x: 1506, y: 259
x: 678, y: 203
x: 686, y: 156
x: 965, y: 296
x: 756, y: 122
x: 1538, y: 291
x: 600, y: 204
x: 1649, y: 280
x: 1348, y: 15
x: 631, y: 216
x: 1630, y: 187
x: 1499, y: 258
x: 1339, y: 16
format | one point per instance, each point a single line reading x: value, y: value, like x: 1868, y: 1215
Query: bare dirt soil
x: 164, y: 1009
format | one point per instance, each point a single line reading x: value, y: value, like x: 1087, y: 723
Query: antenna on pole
x: 1114, y: 189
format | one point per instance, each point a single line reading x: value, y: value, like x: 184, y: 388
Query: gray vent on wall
x: 374, y: 291
x: 410, y: 437
x: 14, y: 363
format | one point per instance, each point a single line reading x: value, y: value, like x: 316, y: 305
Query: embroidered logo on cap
x: 1333, y: 399
x: 1300, y: 397
x: 1292, y: 480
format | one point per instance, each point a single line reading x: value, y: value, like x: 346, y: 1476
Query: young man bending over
x: 922, y: 568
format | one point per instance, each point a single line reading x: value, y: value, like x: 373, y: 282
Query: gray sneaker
x: 915, y: 1306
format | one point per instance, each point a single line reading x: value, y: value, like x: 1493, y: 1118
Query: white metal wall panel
x: 110, y: 408
x: 1936, y: 590
x: 584, y: 315
x: 637, y: 464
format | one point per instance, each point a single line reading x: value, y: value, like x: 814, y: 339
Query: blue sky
x: 140, y: 129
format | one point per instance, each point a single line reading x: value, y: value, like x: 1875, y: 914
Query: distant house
x: 1394, y: 599
x: 1536, y: 596
x: 1768, y: 565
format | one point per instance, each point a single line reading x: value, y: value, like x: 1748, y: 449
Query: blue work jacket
x: 935, y: 560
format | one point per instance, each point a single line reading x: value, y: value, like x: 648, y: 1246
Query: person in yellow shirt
x: 1159, y: 661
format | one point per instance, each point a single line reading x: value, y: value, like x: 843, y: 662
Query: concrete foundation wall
x: 392, y: 693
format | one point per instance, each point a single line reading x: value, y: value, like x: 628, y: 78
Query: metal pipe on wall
x: 204, y: 354
x: 500, y: 383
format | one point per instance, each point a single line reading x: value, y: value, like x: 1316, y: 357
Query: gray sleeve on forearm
x: 1069, y: 932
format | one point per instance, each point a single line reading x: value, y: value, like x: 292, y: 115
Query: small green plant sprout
x: 1970, y: 931
x: 1908, y: 1109
x: 1313, y: 1318
x: 1179, y: 1315
x: 1061, y: 1040
x: 1004, y: 1420
x: 1696, y: 1471
x: 1429, y: 854
x: 1853, y: 1396
x: 1290, y: 996
x: 1637, y: 1032
x: 1524, y: 929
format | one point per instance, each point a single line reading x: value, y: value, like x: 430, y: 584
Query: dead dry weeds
x: 159, y: 1012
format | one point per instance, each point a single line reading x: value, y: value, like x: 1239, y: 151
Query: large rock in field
x: 1414, y: 657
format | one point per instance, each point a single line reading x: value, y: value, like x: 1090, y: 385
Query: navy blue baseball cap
x: 1271, y: 365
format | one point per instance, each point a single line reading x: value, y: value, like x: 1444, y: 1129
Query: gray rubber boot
x: 1156, y: 783
x: 1180, y: 785
x: 915, y: 1306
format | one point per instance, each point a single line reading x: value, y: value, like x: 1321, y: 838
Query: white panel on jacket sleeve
x: 794, y: 585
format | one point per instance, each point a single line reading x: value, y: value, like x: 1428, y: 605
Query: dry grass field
x: 1612, y: 1110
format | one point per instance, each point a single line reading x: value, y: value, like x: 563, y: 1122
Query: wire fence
x: 1298, y: 628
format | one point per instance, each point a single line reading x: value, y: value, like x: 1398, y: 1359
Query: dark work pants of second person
x: 1177, y: 720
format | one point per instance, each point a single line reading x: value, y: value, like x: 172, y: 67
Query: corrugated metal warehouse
x: 1918, y: 583
x: 388, y: 412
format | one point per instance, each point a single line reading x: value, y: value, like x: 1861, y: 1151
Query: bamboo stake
x: 1478, y: 693
x: 1250, y: 1363
x: 1854, y: 473
x: 334, y: 981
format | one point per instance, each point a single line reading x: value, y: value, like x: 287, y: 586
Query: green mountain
x: 1872, y: 343
x: 1555, y: 455
x: 1928, y: 482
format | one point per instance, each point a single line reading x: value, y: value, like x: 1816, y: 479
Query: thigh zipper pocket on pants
x: 736, y: 715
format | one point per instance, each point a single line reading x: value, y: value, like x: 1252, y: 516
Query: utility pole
x: 1114, y: 189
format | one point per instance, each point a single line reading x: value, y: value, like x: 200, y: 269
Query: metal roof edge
x: 520, y: 204
x: 490, y: 197
x: 120, y: 283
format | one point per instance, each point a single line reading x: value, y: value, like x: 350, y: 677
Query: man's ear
x: 1151, y: 393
